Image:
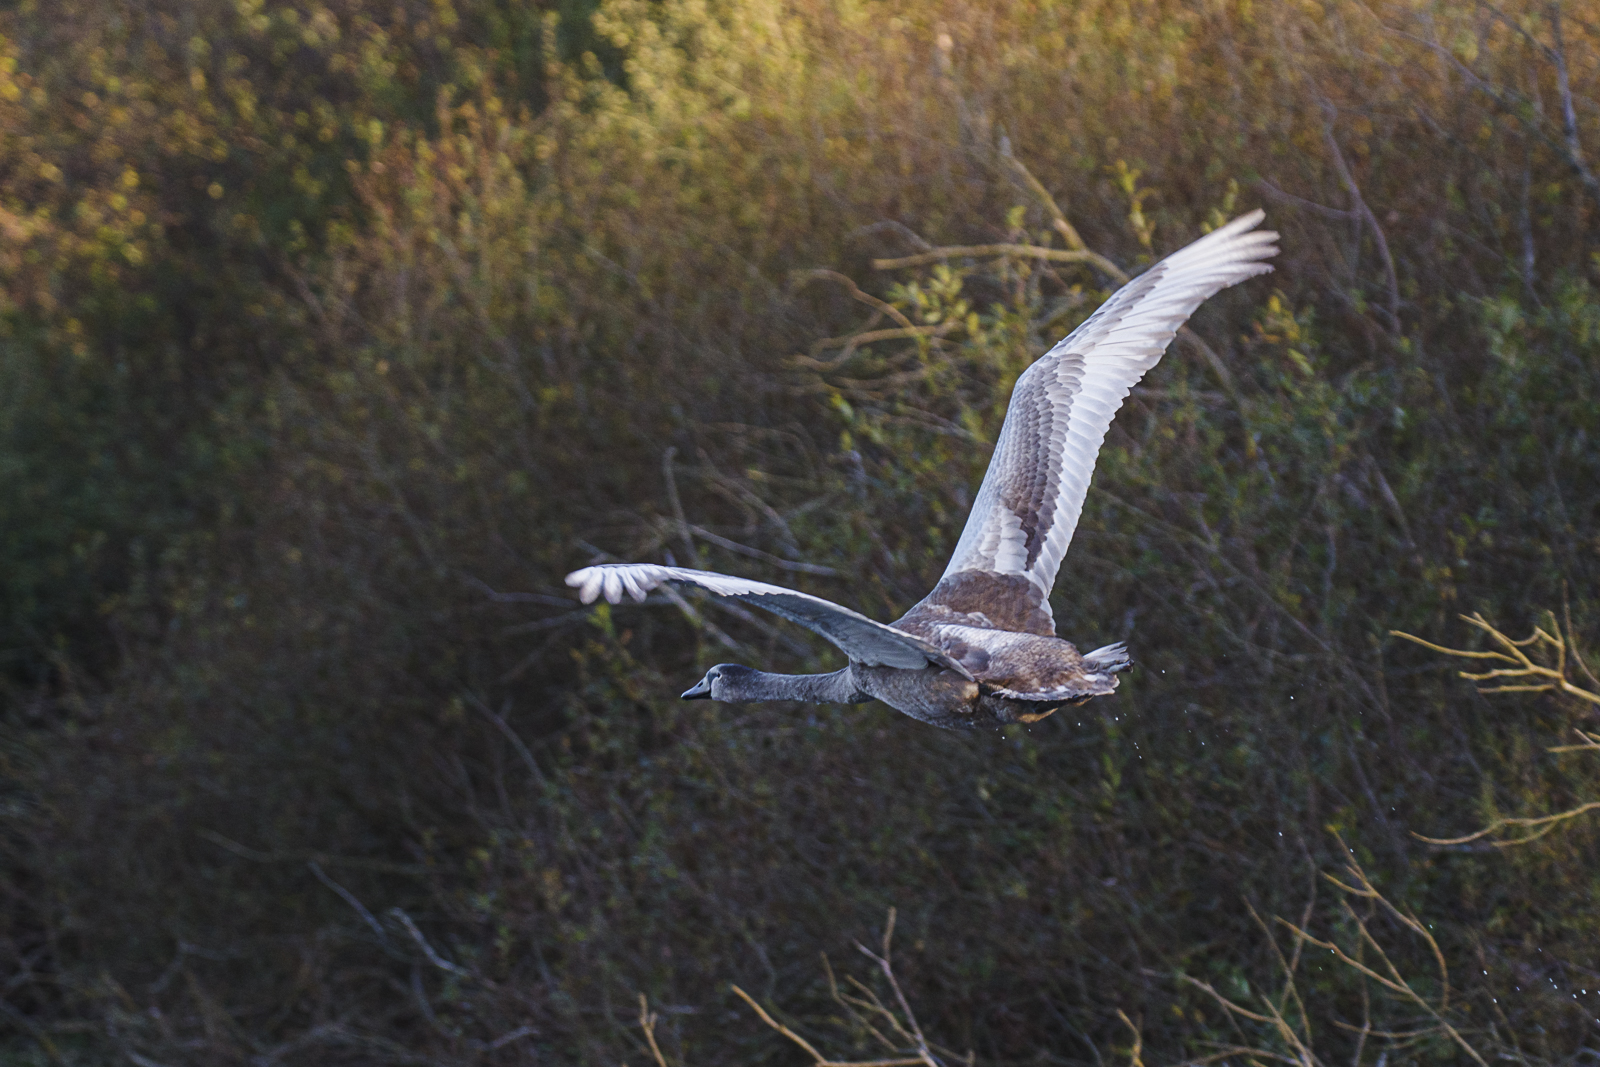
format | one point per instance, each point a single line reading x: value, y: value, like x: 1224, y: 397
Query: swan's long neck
x: 751, y: 686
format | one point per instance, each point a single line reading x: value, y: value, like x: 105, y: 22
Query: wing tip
x: 1238, y: 237
x: 1248, y: 221
x: 586, y: 581
x: 612, y: 580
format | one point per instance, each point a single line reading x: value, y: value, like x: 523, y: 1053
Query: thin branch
x: 647, y: 1023
x: 1289, y: 988
x: 1354, y: 190
x: 1394, y: 982
x: 766, y: 557
x: 782, y: 1029
x: 1567, y: 147
x: 850, y: 1004
x: 699, y: 620
x: 1290, y: 199
x: 1450, y: 651
x: 1135, y: 1059
x: 350, y: 899
x: 893, y: 227
x: 823, y: 274
x: 1226, y: 1004
x: 1540, y: 826
x: 1545, y: 678
x: 1587, y: 743
x: 1296, y: 1040
x: 819, y: 1060
x: 1577, y: 657
x: 1214, y: 361
x: 850, y: 342
x: 33, y: 1030
x: 427, y: 949
x: 1055, y: 255
x: 677, y: 506
x: 511, y: 735
x: 894, y: 984
x: 1058, y: 218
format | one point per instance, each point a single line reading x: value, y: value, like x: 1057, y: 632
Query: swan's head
x: 719, y: 682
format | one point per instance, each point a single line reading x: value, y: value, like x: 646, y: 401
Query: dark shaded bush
x: 407, y: 311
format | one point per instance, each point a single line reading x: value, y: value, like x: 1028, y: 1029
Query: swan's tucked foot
x: 1009, y: 709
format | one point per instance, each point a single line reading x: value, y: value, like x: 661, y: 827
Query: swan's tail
x: 1112, y: 659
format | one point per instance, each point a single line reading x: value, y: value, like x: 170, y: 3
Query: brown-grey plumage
x: 981, y: 648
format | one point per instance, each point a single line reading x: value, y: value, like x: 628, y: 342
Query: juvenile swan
x: 981, y: 649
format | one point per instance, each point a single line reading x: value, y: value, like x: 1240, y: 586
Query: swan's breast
x: 934, y: 695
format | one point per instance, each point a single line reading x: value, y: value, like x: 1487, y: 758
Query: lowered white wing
x: 862, y: 639
x: 1032, y: 495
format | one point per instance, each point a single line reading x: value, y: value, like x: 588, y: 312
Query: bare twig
x: 1282, y: 197
x: 822, y: 274
x: 1293, y: 1042
x: 698, y: 619
x: 1546, y: 678
x: 47, y: 1046
x: 1214, y: 361
x: 850, y: 342
x: 1586, y: 743
x: 427, y: 949
x: 899, y: 995
x: 350, y: 899
x: 818, y: 1059
x: 1058, y: 218
x: 1055, y: 255
x: 767, y: 557
x: 1515, y: 105
x: 673, y: 499
x: 511, y: 735
x: 1539, y: 826
x: 908, y: 1030
x: 1135, y: 1054
x: 1392, y: 980
x: 357, y: 862
x: 1354, y: 190
x: 647, y: 1023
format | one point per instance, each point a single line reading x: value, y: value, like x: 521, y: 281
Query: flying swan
x: 981, y: 649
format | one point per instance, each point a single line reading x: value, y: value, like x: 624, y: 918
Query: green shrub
x: 313, y: 757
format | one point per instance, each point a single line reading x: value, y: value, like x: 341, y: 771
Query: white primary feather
x: 862, y: 639
x: 1030, y: 500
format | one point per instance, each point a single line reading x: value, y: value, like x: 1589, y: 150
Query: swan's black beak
x: 701, y: 690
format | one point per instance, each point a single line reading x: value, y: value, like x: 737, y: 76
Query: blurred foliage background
x: 332, y: 335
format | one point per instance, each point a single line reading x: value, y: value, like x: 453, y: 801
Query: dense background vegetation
x: 334, y: 334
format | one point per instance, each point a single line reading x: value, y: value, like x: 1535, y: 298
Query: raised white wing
x: 862, y: 639
x: 1032, y: 495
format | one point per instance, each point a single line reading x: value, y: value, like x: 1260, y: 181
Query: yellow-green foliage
x: 332, y: 336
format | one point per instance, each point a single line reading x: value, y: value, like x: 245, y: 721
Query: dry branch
x: 908, y: 1030
x: 1548, y: 679
x: 647, y: 1023
x: 1292, y: 1039
x: 1545, y: 679
x: 1056, y: 255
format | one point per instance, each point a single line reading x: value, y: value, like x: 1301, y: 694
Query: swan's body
x: 981, y: 648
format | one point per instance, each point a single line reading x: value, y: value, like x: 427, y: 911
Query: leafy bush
x: 335, y: 336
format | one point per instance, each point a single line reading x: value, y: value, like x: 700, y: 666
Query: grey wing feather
x: 1030, y: 500
x: 862, y: 639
